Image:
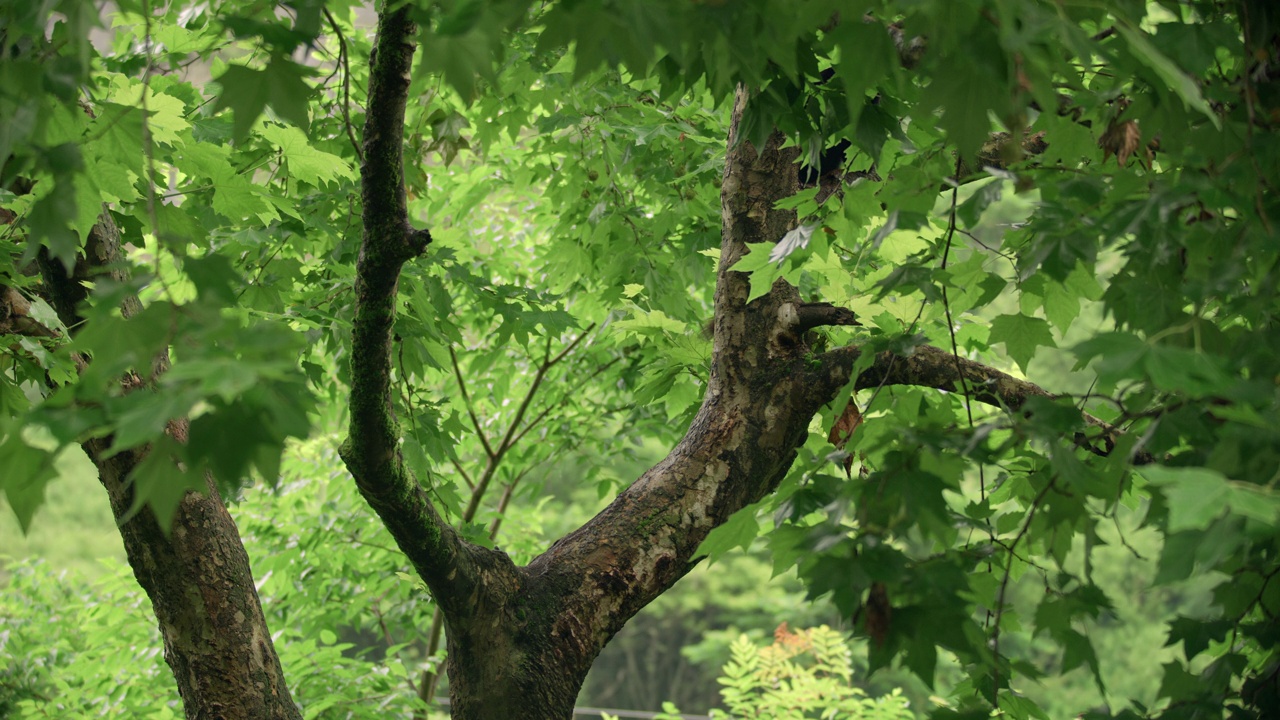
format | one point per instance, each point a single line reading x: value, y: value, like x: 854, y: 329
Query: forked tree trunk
x: 523, y: 645
x: 520, y: 639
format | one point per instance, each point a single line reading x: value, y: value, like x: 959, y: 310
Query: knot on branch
x: 795, y: 319
x: 1002, y: 150
x: 16, y: 316
x: 910, y: 50
x: 418, y: 241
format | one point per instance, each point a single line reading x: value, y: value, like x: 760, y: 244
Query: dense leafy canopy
x: 1078, y: 193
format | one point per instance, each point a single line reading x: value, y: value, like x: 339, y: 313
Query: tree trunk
x: 522, y: 647
x: 197, y: 575
x: 216, y: 639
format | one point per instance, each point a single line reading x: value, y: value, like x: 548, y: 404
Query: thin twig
x: 1004, y: 587
x: 465, y: 477
x: 547, y: 410
x: 466, y: 399
x: 508, y: 439
x: 951, y: 328
x: 343, y: 59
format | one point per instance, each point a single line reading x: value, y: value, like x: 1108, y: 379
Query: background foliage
x: 567, y: 158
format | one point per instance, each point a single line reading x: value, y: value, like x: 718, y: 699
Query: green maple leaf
x: 965, y: 91
x: 160, y: 482
x: 1021, y: 336
x: 738, y: 531
x: 49, y: 223
x: 165, y: 115
x: 1182, y: 84
x: 234, y: 195
x: 27, y: 471
x: 305, y: 162
x: 460, y: 58
x: 248, y: 92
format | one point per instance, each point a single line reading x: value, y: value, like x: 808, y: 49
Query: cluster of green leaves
x: 776, y: 682
x: 567, y: 157
x: 72, y: 648
x: 206, y: 222
x: 1159, y: 277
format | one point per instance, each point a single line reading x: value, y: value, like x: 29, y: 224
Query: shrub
x: 802, y: 674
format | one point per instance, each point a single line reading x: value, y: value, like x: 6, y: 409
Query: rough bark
x: 528, y: 652
x: 216, y: 639
x: 197, y: 576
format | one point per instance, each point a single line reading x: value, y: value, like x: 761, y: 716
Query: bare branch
x: 465, y: 477
x: 509, y: 438
x: 547, y: 410
x: 344, y: 61
x: 812, y: 315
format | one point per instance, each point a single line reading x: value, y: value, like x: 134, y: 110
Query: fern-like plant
x: 803, y: 674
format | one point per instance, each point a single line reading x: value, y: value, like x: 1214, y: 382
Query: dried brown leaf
x: 842, y: 430
x: 844, y: 425
x: 1121, y: 139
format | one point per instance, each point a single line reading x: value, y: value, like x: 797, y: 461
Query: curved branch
x: 936, y: 368
x: 449, y: 566
x: 344, y: 62
x: 755, y: 413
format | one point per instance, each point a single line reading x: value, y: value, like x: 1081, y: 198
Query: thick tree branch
x: 760, y: 399
x: 754, y: 415
x: 449, y: 566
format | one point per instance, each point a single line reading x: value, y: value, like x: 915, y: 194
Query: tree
x: 211, y: 282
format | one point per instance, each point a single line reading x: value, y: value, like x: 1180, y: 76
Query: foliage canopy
x: 212, y: 246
